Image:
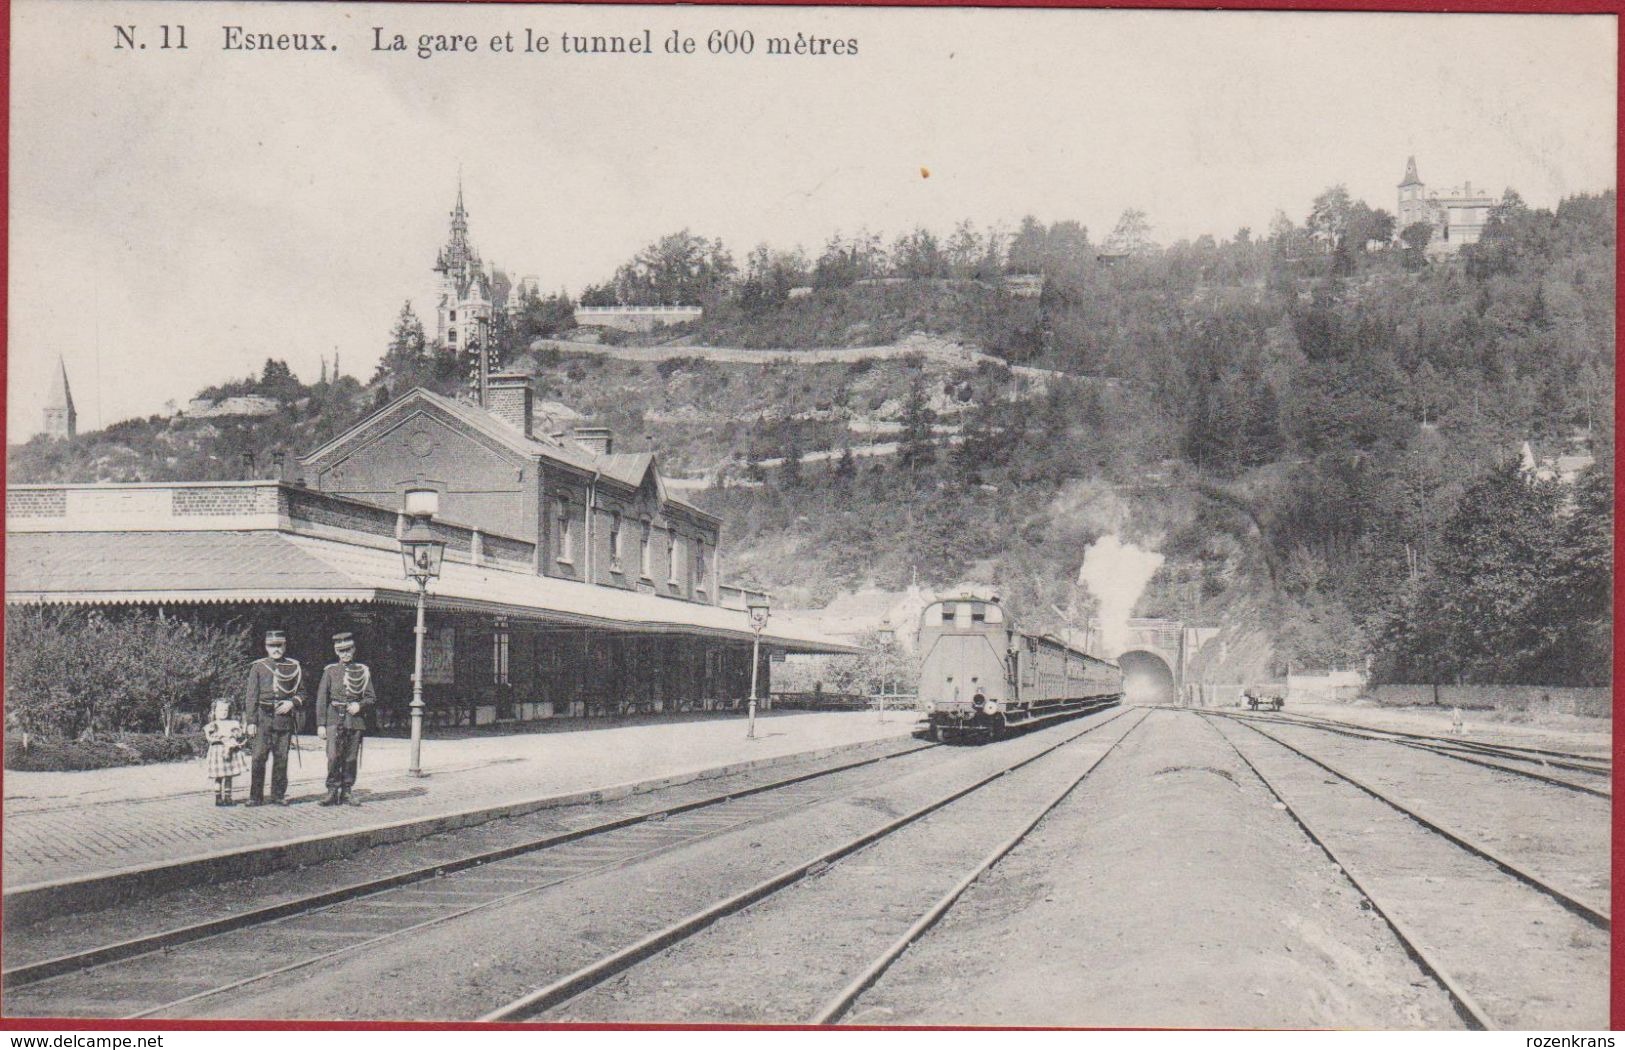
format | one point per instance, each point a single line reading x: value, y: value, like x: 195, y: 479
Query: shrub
x: 127, y: 749
x: 72, y: 673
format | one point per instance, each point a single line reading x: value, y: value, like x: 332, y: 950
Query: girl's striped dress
x: 226, y: 752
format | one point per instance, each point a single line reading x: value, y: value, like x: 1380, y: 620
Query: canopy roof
x: 259, y: 566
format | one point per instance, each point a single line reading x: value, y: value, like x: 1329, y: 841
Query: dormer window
x: 454, y: 315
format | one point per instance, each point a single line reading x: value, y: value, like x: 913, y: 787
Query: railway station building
x: 573, y: 583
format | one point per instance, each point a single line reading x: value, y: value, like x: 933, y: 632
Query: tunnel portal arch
x: 1147, y: 678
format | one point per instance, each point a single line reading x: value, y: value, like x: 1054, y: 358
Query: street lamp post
x: 421, y: 553
x: 758, y: 620
x: 885, y: 635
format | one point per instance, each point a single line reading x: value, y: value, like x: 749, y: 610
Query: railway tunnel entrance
x: 1147, y: 678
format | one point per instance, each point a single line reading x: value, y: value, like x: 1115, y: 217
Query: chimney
x: 508, y: 397
x: 600, y: 441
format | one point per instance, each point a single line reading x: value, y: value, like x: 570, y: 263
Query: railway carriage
x: 979, y: 675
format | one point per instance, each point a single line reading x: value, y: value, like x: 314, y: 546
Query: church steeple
x: 60, y: 418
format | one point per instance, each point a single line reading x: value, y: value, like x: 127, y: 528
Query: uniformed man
x: 342, y: 699
x: 271, y: 703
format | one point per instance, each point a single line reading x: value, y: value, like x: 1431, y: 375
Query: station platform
x: 72, y: 836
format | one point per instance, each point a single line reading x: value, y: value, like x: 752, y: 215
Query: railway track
x: 1457, y: 906
x: 19, y: 981
x: 1473, y: 752
x: 180, y: 971
x: 563, y: 990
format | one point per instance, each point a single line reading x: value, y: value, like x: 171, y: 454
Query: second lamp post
x: 421, y: 553
x: 758, y: 620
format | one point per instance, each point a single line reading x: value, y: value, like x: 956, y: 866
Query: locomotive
x: 980, y: 676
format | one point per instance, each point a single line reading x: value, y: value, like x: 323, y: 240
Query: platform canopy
x: 269, y: 566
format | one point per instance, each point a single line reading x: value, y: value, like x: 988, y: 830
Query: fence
x: 821, y: 701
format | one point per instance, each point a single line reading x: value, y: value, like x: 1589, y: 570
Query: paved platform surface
x: 76, y: 825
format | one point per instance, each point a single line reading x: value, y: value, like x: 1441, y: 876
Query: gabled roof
x: 476, y: 418
x: 628, y: 468
x: 631, y: 469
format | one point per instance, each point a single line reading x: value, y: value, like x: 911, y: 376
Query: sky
x: 177, y: 217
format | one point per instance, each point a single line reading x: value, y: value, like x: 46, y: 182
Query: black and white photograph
x: 880, y: 517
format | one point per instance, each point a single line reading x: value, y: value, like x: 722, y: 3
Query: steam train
x: 980, y: 676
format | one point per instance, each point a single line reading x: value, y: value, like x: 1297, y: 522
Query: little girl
x: 225, y: 737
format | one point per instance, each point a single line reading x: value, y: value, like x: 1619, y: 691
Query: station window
x: 453, y: 316
x: 674, y: 554
x: 451, y: 336
x: 978, y: 612
x: 948, y: 610
x: 643, y: 549
x: 566, y: 541
x: 615, y: 540
x: 499, y: 657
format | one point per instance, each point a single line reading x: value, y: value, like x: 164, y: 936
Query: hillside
x: 1303, y: 433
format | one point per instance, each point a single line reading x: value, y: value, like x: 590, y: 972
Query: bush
x: 72, y: 673
x: 127, y: 749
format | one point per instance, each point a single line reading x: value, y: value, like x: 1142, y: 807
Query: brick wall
x: 36, y: 503
x: 315, y: 509
x: 211, y: 502
x: 505, y: 551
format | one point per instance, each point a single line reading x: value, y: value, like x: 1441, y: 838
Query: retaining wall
x: 1568, y: 700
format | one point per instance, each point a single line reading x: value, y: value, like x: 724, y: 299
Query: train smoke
x: 1116, y: 573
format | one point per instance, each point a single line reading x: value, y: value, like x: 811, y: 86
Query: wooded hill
x: 1319, y: 435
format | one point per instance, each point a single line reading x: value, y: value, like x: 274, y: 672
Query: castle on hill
x: 469, y: 293
x: 1457, y: 215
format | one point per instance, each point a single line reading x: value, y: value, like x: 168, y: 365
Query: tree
x: 917, y: 446
x: 1488, y: 599
x: 70, y: 672
x: 790, y: 468
x: 1329, y: 216
x: 769, y: 277
x: 1416, y: 237
x: 964, y: 253
x: 406, y: 356
x: 680, y: 268
x: 1579, y: 593
x: 918, y: 255
x: 1027, y: 247
x: 277, y: 380
x: 846, y: 467
x: 1132, y: 235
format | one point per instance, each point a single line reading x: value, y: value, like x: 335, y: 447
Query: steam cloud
x: 1116, y: 573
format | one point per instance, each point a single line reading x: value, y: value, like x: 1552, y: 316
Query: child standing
x: 225, y: 736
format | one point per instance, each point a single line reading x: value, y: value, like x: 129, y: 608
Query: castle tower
x: 460, y: 269
x: 1413, y: 207
x: 61, y: 421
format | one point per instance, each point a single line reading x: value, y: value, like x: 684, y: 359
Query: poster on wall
x: 439, y: 647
